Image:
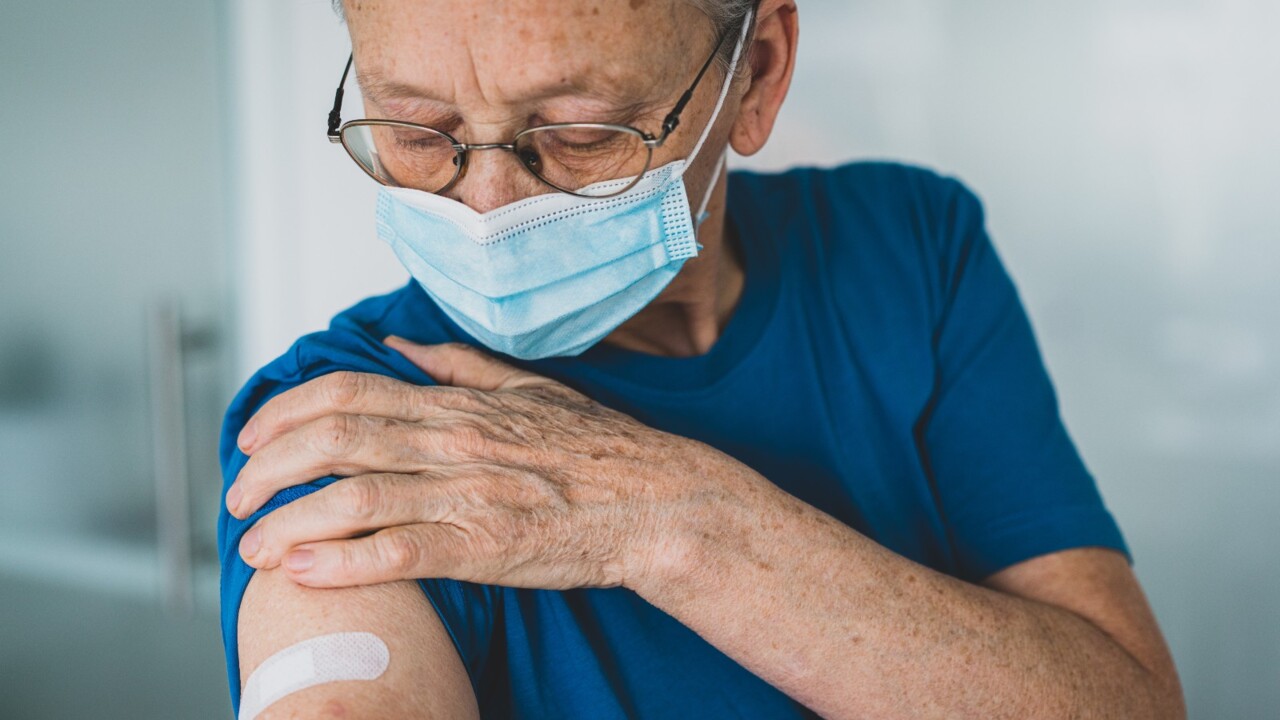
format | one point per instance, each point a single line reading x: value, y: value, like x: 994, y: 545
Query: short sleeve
x: 465, y: 609
x: 1009, y: 480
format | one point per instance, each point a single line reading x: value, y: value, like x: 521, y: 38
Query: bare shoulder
x: 425, y: 677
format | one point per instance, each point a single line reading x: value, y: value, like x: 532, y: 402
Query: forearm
x: 852, y: 630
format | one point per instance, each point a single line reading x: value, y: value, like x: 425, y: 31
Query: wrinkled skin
x: 497, y: 476
x: 506, y: 478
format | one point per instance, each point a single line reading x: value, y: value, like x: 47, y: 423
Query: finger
x: 349, y: 445
x: 426, y: 550
x: 345, y: 392
x: 462, y: 365
x: 348, y: 508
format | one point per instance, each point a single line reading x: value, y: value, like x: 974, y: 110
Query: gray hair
x: 726, y: 16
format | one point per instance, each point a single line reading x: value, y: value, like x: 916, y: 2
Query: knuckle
x: 399, y: 551
x: 345, y: 388
x: 450, y: 398
x: 337, y: 435
x: 504, y: 533
x: 554, y: 392
x: 477, y: 398
x: 466, y: 439
x: 505, y: 540
x: 349, y: 558
x: 360, y: 499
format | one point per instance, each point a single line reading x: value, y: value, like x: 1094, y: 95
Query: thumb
x: 461, y: 365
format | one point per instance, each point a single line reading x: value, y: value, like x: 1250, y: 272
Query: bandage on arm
x: 424, y: 677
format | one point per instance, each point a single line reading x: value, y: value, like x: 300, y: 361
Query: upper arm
x: 437, y: 630
x: 424, y: 679
x: 1099, y: 586
x: 1008, y: 478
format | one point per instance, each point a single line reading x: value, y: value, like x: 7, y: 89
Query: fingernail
x: 247, y: 436
x: 233, y: 498
x: 299, y: 560
x: 250, y: 543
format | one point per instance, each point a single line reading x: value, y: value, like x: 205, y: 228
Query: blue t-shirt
x: 879, y: 366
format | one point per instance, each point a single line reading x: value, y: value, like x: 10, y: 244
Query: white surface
x: 314, y: 661
x: 304, y: 243
x: 1127, y: 153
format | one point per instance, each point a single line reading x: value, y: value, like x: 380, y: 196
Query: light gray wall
x: 111, y: 196
x: 1127, y: 152
x: 113, y: 183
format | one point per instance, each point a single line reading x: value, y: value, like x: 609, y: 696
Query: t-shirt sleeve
x: 1009, y: 480
x: 465, y: 609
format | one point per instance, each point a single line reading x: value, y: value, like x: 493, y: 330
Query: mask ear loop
x: 701, y: 215
x: 724, y: 90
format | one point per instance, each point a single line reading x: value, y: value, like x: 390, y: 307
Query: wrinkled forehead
x: 510, y: 53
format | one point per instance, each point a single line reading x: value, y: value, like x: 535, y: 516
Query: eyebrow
x: 377, y: 87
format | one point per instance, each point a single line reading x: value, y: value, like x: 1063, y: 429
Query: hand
x: 495, y: 476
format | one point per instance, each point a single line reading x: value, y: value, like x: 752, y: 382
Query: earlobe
x: 743, y: 136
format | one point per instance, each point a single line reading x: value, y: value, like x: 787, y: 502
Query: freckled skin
x: 573, y: 494
x: 646, y: 54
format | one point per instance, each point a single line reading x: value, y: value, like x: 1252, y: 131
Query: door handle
x: 169, y: 452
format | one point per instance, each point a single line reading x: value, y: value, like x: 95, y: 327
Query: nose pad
x: 489, y: 180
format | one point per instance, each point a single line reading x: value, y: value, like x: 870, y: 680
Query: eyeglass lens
x: 579, y: 158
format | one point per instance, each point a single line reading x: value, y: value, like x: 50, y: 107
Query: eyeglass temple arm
x: 672, y: 121
x: 335, y: 115
x: 669, y: 124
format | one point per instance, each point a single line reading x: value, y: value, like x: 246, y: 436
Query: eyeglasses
x: 580, y: 158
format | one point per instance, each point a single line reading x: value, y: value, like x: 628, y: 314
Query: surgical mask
x: 553, y: 274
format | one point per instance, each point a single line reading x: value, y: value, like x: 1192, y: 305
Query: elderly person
x: 643, y: 438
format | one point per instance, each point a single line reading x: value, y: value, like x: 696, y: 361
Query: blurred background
x: 172, y: 217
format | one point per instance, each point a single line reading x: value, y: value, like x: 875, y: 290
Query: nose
x: 492, y: 176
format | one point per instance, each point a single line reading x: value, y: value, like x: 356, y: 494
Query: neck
x: 690, y: 314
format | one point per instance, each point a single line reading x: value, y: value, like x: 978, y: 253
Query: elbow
x: 1165, y: 700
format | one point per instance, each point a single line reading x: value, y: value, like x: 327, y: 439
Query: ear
x: 771, y: 61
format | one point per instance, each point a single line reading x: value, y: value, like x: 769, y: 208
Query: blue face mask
x: 553, y: 274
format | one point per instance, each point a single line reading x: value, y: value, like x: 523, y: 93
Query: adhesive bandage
x: 327, y: 658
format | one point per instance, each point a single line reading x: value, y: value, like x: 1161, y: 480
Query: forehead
x: 509, y: 52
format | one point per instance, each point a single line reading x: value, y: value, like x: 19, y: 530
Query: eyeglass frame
x: 337, y: 129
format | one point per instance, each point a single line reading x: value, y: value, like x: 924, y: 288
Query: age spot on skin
x: 636, y: 4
